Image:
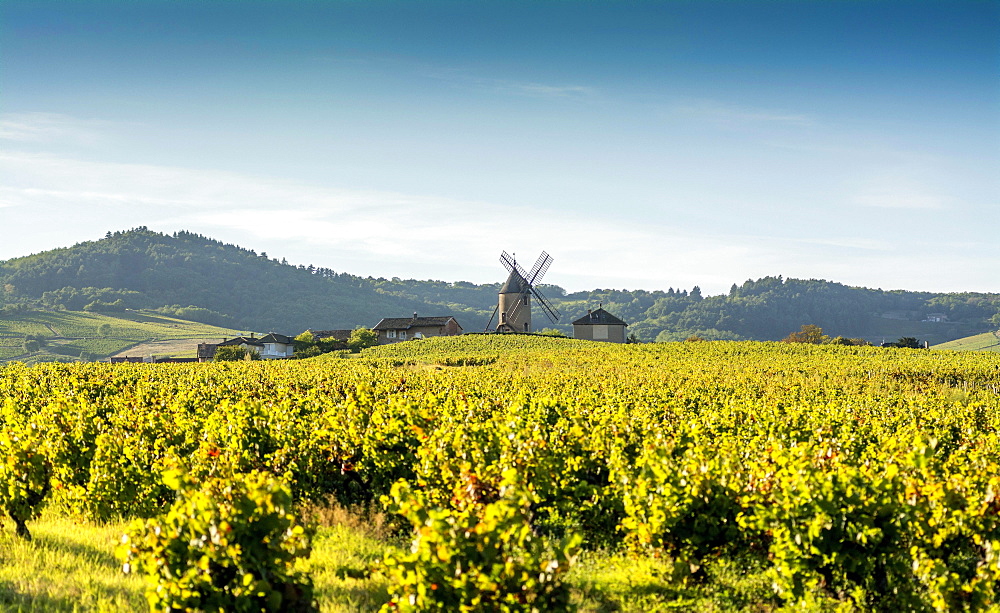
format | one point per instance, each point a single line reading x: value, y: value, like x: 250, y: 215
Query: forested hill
x: 197, y: 278
x: 765, y: 309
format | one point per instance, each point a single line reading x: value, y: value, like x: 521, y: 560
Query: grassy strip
x: 70, y: 566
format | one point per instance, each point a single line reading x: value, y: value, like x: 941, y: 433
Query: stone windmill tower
x: 514, y: 302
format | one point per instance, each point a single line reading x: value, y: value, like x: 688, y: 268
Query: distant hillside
x: 196, y: 278
x: 987, y: 341
x: 67, y: 336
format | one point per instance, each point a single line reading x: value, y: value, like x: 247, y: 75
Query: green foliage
x: 31, y: 346
x: 362, y: 338
x: 552, y: 332
x: 25, y: 474
x: 304, y: 340
x: 309, y: 352
x: 226, y: 544
x: 308, y: 346
x: 234, y: 353
x: 683, y: 501
x: 809, y: 333
x: 479, y: 556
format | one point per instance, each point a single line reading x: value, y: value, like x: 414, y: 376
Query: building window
x: 390, y: 334
x: 402, y: 335
x: 526, y: 327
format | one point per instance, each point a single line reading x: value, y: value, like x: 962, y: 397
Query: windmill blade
x: 550, y: 310
x: 511, y: 264
x: 538, y: 270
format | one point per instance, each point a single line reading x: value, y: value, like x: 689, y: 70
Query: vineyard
x: 521, y: 473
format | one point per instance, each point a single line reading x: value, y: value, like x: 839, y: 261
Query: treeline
x: 194, y: 277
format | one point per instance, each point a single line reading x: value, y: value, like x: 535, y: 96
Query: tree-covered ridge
x: 223, y: 282
x: 194, y: 277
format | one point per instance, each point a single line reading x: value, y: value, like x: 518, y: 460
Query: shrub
x: 234, y: 353
x: 480, y: 556
x: 25, y: 475
x: 224, y: 545
x: 362, y: 338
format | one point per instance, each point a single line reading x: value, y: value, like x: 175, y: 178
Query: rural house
x: 395, y: 329
x: 600, y: 325
x: 276, y: 346
x: 270, y: 347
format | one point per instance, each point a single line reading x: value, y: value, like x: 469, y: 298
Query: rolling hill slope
x: 987, y: 341
x: 70, y: 336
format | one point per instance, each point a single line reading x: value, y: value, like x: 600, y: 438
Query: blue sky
x: 642, y: 144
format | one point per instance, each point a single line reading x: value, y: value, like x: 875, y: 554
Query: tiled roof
x: 599, y: 317
x: 242, y: 340
x: 405, y: 323
x: 340, y: 335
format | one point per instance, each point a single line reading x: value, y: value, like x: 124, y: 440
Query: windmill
x: 514, y: 304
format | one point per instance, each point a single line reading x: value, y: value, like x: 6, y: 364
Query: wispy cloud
x: 727, y: 115
x: 383, y: 233
x: 515, y: 87
x: 45, y: 128
x: 541, y: 90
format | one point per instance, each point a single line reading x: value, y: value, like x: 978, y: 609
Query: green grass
x: 70, y: 566
x: 988, y: 341
x: 70, y: 334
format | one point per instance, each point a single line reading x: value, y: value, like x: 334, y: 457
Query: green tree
x: 908, y: 342
x: 234, y: 353
x: 104, y: 330
x: 362, y: 338
x: 304, y: 341
x: 809, y: 333
x: 31, y: 345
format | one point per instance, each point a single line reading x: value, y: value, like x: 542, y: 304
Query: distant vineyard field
x: 988, y: 341
x: 74, y: 335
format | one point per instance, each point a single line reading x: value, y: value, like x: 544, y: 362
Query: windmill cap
x: 516, y: 284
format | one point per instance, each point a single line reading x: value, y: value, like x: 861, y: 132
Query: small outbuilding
x: 601, y: 326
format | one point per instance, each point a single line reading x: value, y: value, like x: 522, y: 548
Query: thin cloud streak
x: 50, y: 128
